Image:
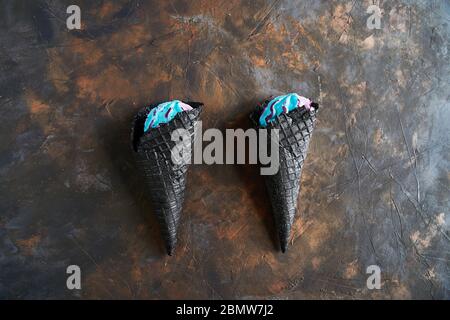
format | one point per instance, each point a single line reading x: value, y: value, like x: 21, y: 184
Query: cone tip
x: 170, y: 250
x: 170, y: 245
x: 284, y: 242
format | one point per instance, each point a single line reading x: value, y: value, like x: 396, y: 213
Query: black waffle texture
x: 295, y: 130
x: 165, y: 180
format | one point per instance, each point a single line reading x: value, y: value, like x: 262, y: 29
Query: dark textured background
x: 376, y: 184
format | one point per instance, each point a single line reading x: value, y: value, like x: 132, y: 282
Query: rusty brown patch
x: 258, y: 61
x: 56, y: 71
x: 89, y: 51
x: 110, y: 84
x: 29, y: 244
x: 130, y: 38
x: 316, y: 262
x: 378, y: 137
x: 341, y: 19
x: 351, y: 270
x: 108, y: 9
x: 399, y: 290
x: 36, y: 105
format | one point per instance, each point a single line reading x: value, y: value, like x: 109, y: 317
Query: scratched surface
x: 375, y: 187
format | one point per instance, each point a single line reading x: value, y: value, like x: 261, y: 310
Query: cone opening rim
x: 255, y: 115
x: 139, y: 120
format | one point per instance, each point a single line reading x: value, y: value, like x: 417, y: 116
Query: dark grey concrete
x: 375, y: 187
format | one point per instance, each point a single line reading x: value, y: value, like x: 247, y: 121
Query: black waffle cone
x: 295, y: 129
x: 165, y: 180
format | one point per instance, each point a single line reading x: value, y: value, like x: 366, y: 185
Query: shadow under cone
x: 295, y: 129
x: 165, y: 179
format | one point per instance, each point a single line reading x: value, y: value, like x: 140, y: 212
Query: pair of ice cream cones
x: 166, y: 180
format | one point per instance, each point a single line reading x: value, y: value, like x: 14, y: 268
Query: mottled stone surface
x: 375, y: 187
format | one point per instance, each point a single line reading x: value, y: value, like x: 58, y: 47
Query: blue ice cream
x: 164, y: 113
x: 282, y: 104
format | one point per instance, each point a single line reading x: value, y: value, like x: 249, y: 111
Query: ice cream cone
x: 165, y: 179
x: 295, y: 129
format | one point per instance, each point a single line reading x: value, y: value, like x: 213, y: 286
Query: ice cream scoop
x: 282, y: 104
x: 164, y: 113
